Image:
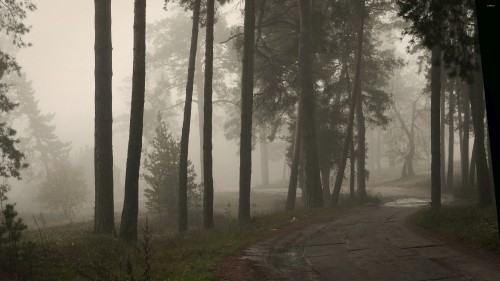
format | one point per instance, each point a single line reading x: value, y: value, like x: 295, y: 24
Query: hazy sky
x: 61, y: 61
x: 61, y: 65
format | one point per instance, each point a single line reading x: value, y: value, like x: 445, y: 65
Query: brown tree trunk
x: 128, y: 225
x: 246, y: 114
x: 186, y: 124
x: 451, y: 139
x: 435, y: 127
x: 354, y: 96
x: 208, y: 190
x: 104, y: 220
x: 294, y: 169
x: 313, y: 188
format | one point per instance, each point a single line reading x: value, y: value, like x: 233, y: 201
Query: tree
x: 435, y: 126
x: 12, y: 14
x: 162, y: 177
x: 104, y: 219
x: 128, y: 226
x: 64, y: 189
x: 356, y: 94
x: 313, y: 190
x: 186, y: 125
x: 246, y: 114
x: 38, y: 140
x: 208, y: 190
x: 451, y: 139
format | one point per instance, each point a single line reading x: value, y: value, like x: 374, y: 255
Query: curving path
x: 367, y: 244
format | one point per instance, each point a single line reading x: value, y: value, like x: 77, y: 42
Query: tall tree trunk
x: 128, y: 225
x: 104, y: 220
x: 451, y: 139
x: 435, y: 127
x: 442, y: 132
x: 478, y: 111
x: 481, y: 163
x: 354, y: 96
x: 314, y: 193
x: 186, y: 124
x: 294, y: 169
x: 201, y: 114
x: 464, y: 156
x: 208, y: 190
x: 246, y: 114
x: 264, y: 159
x: 360, y: 122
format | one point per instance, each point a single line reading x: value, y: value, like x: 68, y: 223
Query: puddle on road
x: 407, y: 202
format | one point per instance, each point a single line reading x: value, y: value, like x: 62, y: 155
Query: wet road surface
x: 377, y: 243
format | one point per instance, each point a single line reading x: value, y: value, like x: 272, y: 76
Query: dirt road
x: 367, y: 244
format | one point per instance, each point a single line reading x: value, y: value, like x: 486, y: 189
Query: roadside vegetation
x: 73, y: 252
x: 466, y: 223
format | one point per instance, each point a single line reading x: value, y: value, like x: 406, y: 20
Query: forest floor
x: 370, y: 243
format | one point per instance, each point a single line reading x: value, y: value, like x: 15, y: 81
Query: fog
x: 60, y: 65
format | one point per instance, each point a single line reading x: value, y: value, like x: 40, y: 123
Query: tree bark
x: 313, y: 188
x: 246, y: 113
x: 451, y: 139
x: 354, y: 96
x: 128, y: 225
x: 186, y: 124
x: 208, y: 190
x: 435, y: 127
x: 294, y: 169
x: 104, y: 221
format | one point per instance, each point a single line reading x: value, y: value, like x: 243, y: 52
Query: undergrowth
x: 470, y: 224
x: 73, y: 252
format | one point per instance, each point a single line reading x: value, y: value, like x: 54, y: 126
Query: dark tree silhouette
x: 246, y: 113
x: 186, y: 125
x: 104, y: 220
x: 208, y: 188
x: 313, y: 190
x: 128, y: 226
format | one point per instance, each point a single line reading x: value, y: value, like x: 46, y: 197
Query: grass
x: 470, y: 224
x: 72, y: 252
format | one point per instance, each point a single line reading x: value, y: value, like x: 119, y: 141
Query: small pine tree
x: 162, y: 164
